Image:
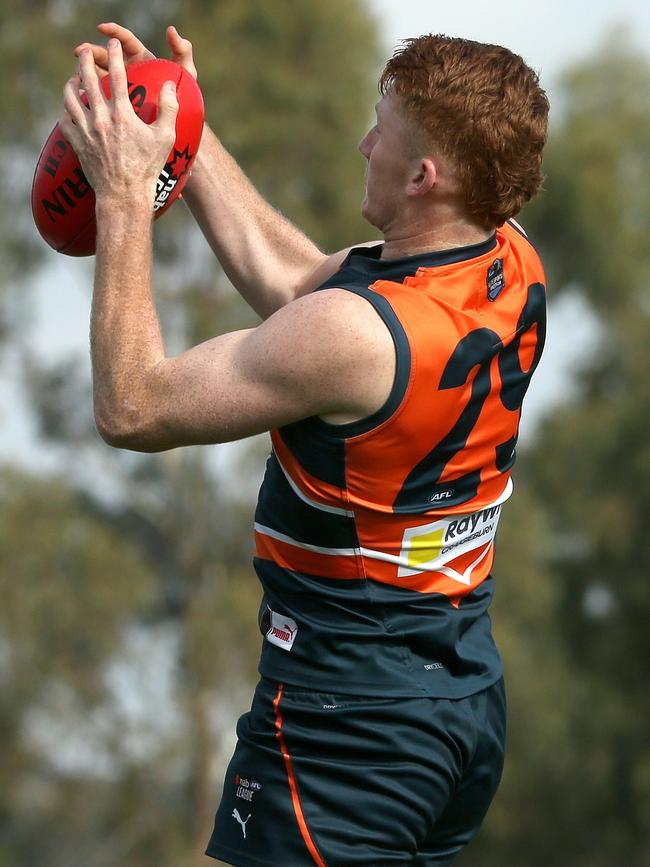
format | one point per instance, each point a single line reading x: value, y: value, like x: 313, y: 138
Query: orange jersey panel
x: 410, y: 498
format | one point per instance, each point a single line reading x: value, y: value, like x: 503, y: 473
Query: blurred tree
x: 89, y: 745
x: 127, y: 636
x: 70, y: 587
x: 573, y: 618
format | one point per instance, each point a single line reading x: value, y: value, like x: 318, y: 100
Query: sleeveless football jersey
x: 375, y: 539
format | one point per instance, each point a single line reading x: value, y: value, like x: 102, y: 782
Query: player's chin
x: 366, y: 213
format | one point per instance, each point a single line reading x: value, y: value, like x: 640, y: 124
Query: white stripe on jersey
x: 334, y: 510
x: 317, y: 549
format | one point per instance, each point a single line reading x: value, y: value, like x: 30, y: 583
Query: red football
x: 63, y: 202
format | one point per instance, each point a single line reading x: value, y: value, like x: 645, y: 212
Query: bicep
x: 219, y: 391
x: 327, y: 353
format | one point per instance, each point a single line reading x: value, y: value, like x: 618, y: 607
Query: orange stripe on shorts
x: 293, y: 786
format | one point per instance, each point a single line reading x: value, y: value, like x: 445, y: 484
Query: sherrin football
x: 63, y: 202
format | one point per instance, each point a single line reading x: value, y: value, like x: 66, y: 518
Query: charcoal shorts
x: 341, y: 780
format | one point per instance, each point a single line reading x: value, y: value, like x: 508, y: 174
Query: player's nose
x: 365, y: 145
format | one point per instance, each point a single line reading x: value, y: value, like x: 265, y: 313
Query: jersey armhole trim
x: 400, y: 382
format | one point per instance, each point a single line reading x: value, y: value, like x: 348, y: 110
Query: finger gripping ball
x: 63, y: 202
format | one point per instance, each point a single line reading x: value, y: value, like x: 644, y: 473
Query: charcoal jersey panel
x: 375, y: 540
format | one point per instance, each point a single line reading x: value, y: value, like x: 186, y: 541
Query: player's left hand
x: 120, y: 154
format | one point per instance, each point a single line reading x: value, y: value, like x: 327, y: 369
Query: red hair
x: 485, y: 111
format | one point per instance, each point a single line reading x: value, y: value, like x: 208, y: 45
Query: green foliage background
x: 128, y: 640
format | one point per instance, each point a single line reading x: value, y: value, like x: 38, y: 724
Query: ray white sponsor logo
x: 282, y: 630
x: 430, y: 547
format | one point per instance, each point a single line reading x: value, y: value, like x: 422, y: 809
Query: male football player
x: 391, y: 378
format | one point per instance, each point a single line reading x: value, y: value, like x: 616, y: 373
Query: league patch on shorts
x: 246, y: 788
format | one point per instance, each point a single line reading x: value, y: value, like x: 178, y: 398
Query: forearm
x: 125, y: 336
x: 268, y: 260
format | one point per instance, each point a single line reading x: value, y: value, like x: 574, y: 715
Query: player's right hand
x: 134, y: 50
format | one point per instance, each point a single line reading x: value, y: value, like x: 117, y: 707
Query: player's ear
x: 423, y: 178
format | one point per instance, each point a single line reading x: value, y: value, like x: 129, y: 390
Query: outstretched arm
x: 268, y: 260
x: 325, y: 354
x: 265, y: 256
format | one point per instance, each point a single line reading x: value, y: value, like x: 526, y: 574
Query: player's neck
x: 443, y: 235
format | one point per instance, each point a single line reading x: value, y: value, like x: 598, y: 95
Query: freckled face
x: 385, y: 147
